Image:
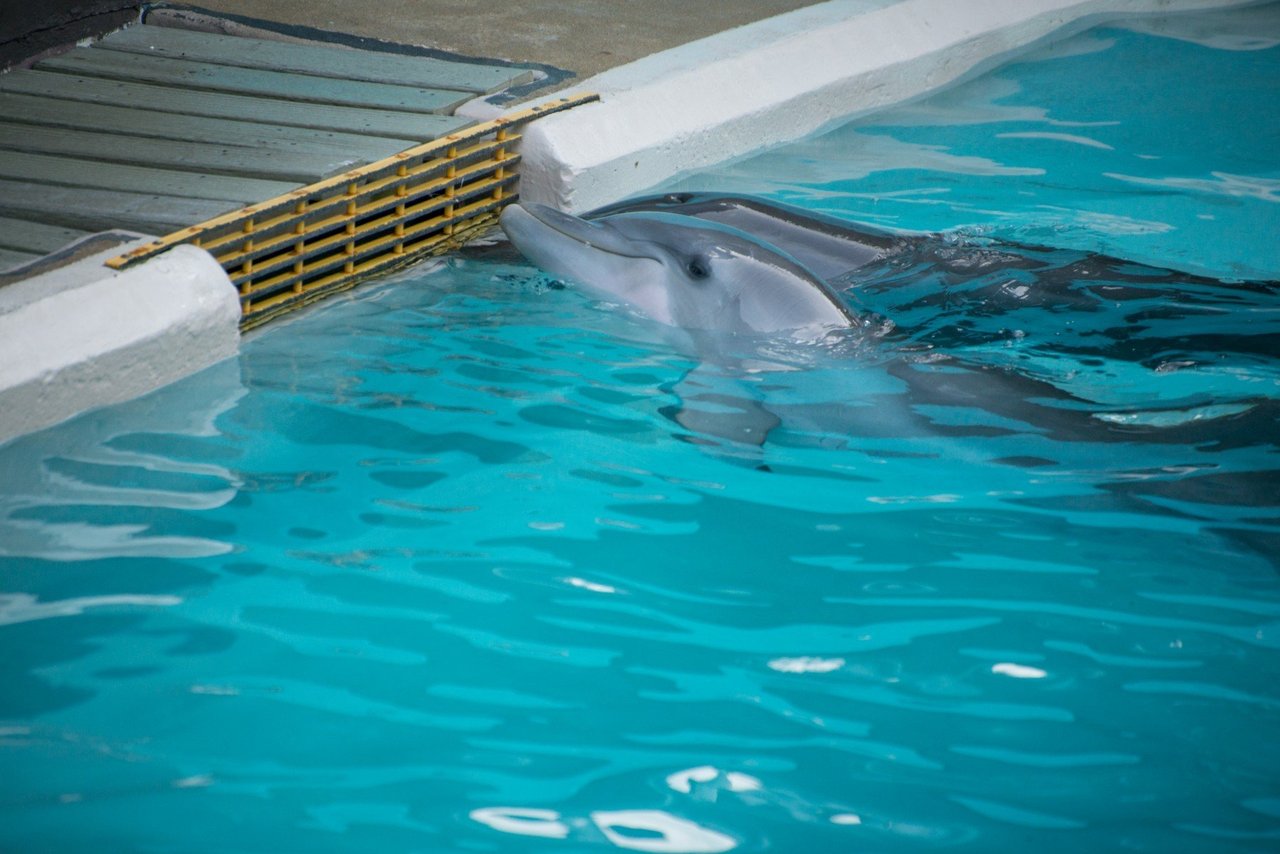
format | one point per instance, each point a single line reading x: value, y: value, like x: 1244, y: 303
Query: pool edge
x: 779, y: 80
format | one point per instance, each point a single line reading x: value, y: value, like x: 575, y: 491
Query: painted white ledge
x: 82, y: 336
x: 778, y: 80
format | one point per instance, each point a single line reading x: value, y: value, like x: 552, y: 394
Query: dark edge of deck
x: 60, y: 29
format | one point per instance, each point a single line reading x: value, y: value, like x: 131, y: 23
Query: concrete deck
x: 585, y: 37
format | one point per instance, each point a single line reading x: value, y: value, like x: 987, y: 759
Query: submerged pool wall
x: 781, y: 79
x: 78, y: 339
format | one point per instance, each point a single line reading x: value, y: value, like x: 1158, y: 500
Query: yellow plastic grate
x: 311, y: 242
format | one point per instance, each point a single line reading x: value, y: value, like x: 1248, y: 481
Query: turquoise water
x: 431, y: 568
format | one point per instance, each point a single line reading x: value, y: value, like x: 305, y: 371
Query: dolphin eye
x: 699, y: 269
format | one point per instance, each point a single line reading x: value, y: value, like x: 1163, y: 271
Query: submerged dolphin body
x: 692, y: 273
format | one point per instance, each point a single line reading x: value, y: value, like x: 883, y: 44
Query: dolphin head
x: 678, y: 270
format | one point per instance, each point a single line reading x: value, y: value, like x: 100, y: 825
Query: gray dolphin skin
x: 830, y: 248
x: 690, y: 272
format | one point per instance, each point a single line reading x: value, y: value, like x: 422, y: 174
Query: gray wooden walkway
x: 154, y: 128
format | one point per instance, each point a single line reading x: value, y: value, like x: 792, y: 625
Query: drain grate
x: 306, y: 244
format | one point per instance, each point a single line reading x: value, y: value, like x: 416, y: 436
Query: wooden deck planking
x: 118, y: 65
x: 319, y: 60
x: 35, y: 237
x: 97, y: 210
x: 79, y: 172
x: 265, y: 162
x: 158, y: 129
x: 75, y: 115
x: 410, y: 127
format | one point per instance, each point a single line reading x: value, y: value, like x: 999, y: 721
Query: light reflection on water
x: 635, y: 830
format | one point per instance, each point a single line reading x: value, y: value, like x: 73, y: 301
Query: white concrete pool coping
x: 84, y: 336
x: 80, y: 336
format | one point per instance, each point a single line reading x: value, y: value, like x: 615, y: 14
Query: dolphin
x: 692, y: 273
x: 841, y: 255
x: 697, y: 270
x: 710, y: 264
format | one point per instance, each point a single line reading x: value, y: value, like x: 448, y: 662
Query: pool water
x: 433, y: 567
